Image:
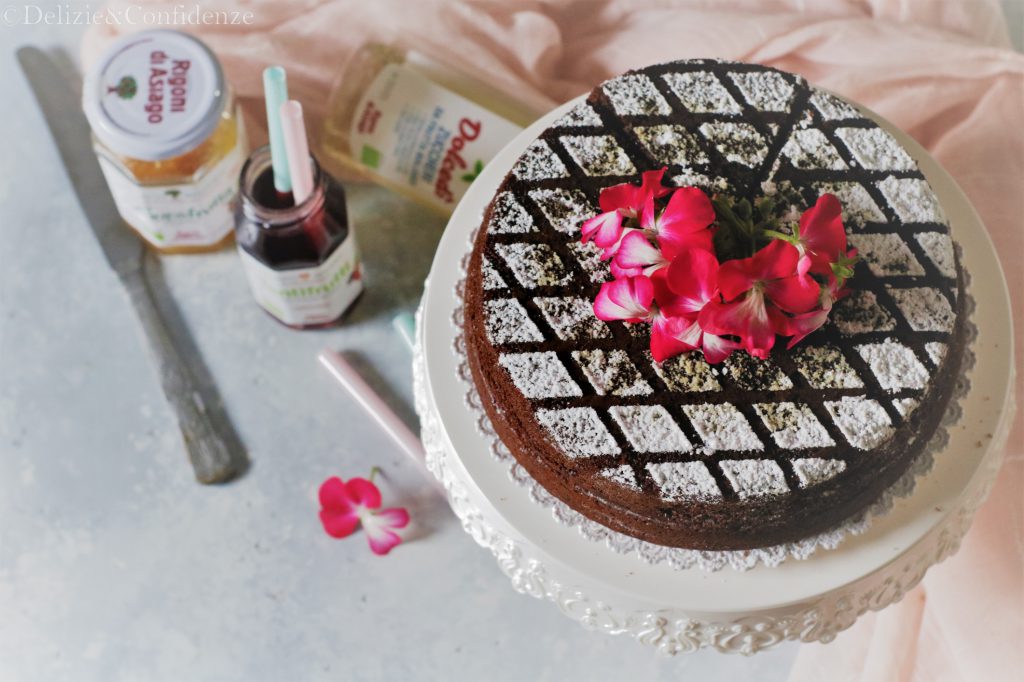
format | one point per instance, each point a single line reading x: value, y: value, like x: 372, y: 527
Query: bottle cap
x: 155, y: 95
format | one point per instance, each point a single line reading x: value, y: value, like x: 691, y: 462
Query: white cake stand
x: 728, y: 610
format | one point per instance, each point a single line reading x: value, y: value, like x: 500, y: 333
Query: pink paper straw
x: 373, y: 405
x: 297, y: 147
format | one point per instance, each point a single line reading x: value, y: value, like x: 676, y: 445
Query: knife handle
x: 211, y: 458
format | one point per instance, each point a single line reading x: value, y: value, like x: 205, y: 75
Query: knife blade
x: 212, y: 460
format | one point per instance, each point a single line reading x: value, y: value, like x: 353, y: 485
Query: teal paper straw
x: 406, y: 326
x: 275, y: 92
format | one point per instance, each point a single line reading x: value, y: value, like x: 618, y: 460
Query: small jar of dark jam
x: 301, y: 260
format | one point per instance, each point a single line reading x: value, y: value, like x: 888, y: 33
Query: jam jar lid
x: 154, y: 95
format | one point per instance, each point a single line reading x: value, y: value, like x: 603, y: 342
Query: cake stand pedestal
x: 676, y: 610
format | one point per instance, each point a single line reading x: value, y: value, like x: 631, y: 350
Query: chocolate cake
x: 749, y: 452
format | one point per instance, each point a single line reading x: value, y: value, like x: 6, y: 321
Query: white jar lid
x: 155, y: 95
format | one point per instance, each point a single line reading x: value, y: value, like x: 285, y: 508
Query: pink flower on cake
x: 667, y: 270
x: 636, y: 256
x: 627, y: 298
x: 346, y: 506
x: 628, y: 200
x: 755, y: 291
x: 682, y: 223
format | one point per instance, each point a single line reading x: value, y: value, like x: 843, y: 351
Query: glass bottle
x: 301, y: 261
x: 169, y: 138
x: 415, y: 125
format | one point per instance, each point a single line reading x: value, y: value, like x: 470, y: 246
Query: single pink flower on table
x: 346, y: 506
x: 628, y: 299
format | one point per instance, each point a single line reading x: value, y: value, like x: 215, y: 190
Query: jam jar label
x: 196, y: 213
x: 424, y: 137
x: 308, y: 296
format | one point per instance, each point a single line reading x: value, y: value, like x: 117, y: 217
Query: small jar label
x: 199, y: 213
x: 422, y: 136
x: 307, y: 296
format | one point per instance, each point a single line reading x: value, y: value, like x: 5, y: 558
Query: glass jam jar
x: 416, y: 126
x: 301, y: 261
x: 169, y: 138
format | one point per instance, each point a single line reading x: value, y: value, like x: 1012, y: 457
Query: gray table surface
x: 115, y: 565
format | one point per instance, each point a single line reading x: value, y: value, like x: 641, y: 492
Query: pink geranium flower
x: 820, y: 238
x: 683, y: 222
x: 690, y: 283
x: 636, y: 255
x: 628, y: 299
x: 346, y: 506
x: 755, y: 291
x: 628, y: 199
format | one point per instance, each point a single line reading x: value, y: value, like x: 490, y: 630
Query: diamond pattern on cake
x: 858, y: 206
x: 924, y: 308
x: 508, y: 216
x: 863, y: 421
x: 722, y: 427
x: 492, y: 280
x: 701, y: 92
x: 886, y: 254
x: 737, y: 142
x: 832, y: 108
x: 912, y: 200
x: 580, y: 115
x: 875, y: 149
x: 753, y: 478
x: 939, y: 249
x: 578, y: 431
x: 534, y: 265
x: 635, y: 94
x: 589, y: 257
x: 539, y: 162
x: 764, y: 90
x: 611, y: 372
x: 826, y: 367
x: 650, y: 428
x: 793, y: 426
x: 936, y: 351
x: 688, y: 372
x: 539, y: 375
x: 598, y: 154
x: 564, y: 209
x: 894, y: 365
x: 753, y: 374
x: 671, y: 145
x: 808, y: 149
x: 860, y: 312
x: 572, y: 318
x: 690, y: 178
x: 678, y: 481
x: 623, y: 475
x: 508, y: 322
x: 814, y: 470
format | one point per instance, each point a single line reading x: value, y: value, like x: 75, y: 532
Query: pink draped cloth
x: 942, y: 70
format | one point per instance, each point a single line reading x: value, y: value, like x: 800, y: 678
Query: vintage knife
x: 211, y: 457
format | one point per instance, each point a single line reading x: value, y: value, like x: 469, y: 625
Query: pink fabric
x: 942, y: 70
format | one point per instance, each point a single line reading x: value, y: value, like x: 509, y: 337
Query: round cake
x: 698, y: 450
